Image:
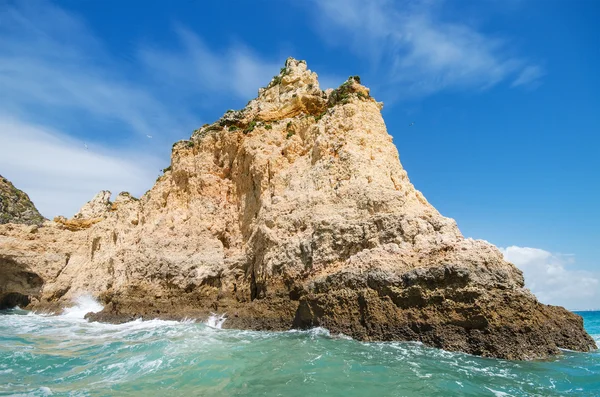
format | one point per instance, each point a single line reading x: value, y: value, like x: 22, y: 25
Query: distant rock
x: 293, y: 212
x: 96, y: 208
x: 16, y: 207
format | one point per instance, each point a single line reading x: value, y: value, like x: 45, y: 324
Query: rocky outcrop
x: 16, y: 283
x: 93, y: 212
x: 293, y: 212
x: 16, y: 207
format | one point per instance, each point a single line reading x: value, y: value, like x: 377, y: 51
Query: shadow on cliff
x: 17, y: 285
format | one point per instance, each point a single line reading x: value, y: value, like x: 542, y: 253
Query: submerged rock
x: 294, y: 212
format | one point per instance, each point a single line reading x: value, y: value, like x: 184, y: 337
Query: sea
x: 65, y: 355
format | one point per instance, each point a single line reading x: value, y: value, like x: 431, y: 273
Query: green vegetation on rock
x: 16, y: 207
x: 250, y: 127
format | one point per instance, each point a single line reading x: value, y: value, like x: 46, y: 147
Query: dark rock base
x: 501, y: 324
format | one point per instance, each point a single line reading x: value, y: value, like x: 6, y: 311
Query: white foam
x: 216, y: 320
x: 151, y: 366
x: 341, y: 336
x: 319, y: 331
x: 313, y: 332
x: 83, y: 305
x: 498, y: 393
x: 46, y: 391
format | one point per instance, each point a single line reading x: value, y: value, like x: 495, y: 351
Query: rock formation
x: 16, y: 207
x: 16, y: 284
x: 293, y: 212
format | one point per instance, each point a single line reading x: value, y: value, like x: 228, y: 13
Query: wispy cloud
x: 60, y: 174
x: 59, y: 81
x: 417, y: 50
x: 530, y: 76
x: 194, y: 66
x: 553, y: 279
x: 49, y: 59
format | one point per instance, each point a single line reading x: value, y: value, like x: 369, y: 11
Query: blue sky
x: 505, y: 96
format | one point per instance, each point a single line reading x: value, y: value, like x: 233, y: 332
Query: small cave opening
x: 18, y: 285
x: 12, y: 299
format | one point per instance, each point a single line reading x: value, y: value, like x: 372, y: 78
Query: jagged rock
x: 98, y: 207
x: 16, y: 207
x: 294, y: 212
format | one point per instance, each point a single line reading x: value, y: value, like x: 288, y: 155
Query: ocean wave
x: 216, y: 320
x: 83, y: 305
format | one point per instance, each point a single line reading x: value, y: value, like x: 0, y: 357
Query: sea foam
x: 83, y: 305
x: 216, y: 320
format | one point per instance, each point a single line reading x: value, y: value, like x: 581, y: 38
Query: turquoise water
x: 65, y: 355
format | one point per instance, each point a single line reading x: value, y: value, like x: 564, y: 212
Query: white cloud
x: 552, y: 278
x: 529, y: 76
x: 59, y: 174
x: 60, y: 86
x: 413, y: 46
x: 195, y: 66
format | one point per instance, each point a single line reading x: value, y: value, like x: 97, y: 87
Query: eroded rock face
x: 294, y: 212
x: 17, y: 283
x: 16, y: 207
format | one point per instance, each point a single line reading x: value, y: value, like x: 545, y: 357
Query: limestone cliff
x: 16, y: 284
x: 292, y: 212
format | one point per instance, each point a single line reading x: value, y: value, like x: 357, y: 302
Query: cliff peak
x: 293, y: 78
x: 293, y: 93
